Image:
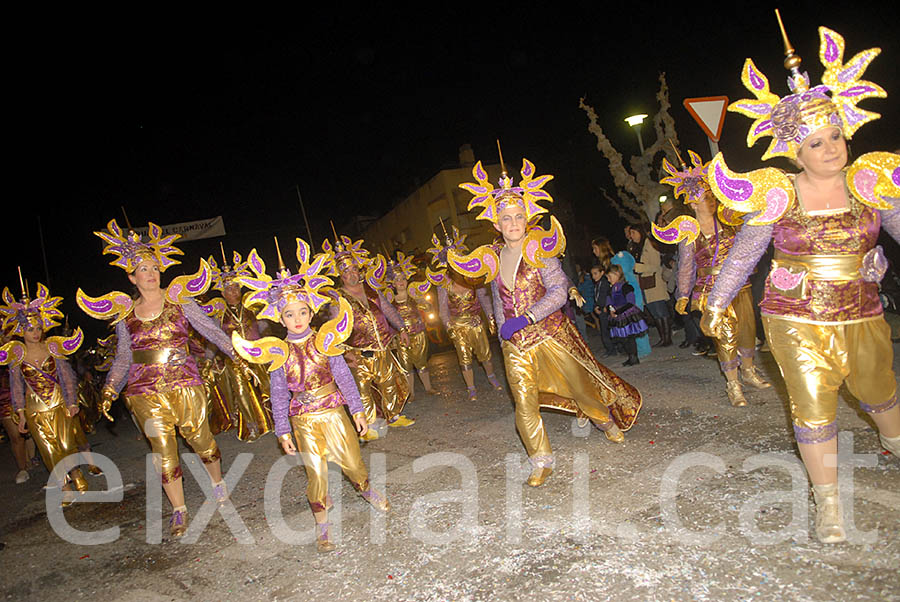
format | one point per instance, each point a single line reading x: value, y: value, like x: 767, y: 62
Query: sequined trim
x: 209, y: 458
x: 729, y: 365
x: 819, y: 434
x: 541, y: 461
x: 879, y: 408
x: 174, y: 475
x: 746, y: 352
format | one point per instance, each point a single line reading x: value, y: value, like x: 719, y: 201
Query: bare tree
x: 638, y: 191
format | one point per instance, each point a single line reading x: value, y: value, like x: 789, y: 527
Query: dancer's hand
x: 71, y: 410
x: 711, y: 322
x: 512, y: 326
x: 404, y: 338
x: 681, y: 305
x: 23, y: 427
x: 108, y: 395
x: 362, y: 425
x: 287, y: 444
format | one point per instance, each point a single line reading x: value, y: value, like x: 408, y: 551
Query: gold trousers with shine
x: 471, y: 342
x: 54, y: 434
x: 414, y: 355
x: 382, y: 384
x: 815, y: 359
x: 323, y: 436
x: 249, y: 397
x: 547, y: 369
x: 184, y: 409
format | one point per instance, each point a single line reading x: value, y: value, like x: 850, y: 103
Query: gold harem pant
x: 328, y: 435
x: 470, y: 341
x: 55, y: 437
x: 249, y: 398
x: 183, y: 408
x: 414, y: 355
x: 814, y: 359
x: 564, y: 376
x: 383, y: 388
x: 738, y: 338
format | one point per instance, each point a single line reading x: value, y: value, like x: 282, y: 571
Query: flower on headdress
x: 273, y: 294
x: 18, y: 315
x: 790, y: 120
x: 131, y: 250
x: 526, y: 195
x: 690, y: 182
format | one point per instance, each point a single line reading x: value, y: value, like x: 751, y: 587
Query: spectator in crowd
x: 599, y: 295
x: 648, y: 267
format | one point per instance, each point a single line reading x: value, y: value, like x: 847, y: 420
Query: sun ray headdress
x: 792, y: 119
x: 382, y: 279
x: 271, y: 295
x: 453, y: 242
x: 484, y: 262
x: 131, y: 251
x: 227, y: 274
x: 345, y: 253
x: 41, y: 311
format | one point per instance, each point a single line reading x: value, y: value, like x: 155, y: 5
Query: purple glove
x: 512, y: 326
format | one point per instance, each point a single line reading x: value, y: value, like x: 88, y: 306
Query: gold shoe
x: 323, y: 539
x: 538, y: 476
x: 751, y: 376
x: 78, y: 480
x: 615, y: 434
x: 370, y: 435
x: 735, y: 393
x: 376, y: 499
x: 178, y: 522
x: 829, y: 522
x: 402, y: 420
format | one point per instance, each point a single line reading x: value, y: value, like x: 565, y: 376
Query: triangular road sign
x: 709, y: 112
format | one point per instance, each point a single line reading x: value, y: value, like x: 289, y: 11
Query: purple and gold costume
x: 162, y: 383
x: 382, y: 383
x: 414, y: 355
x: 548, y: 364
x: 823, y: 318
x: 461, y: 316
x: 308, y: 395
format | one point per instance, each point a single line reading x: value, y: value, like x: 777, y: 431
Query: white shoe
x: 21, y: 477
x: 892, y: 444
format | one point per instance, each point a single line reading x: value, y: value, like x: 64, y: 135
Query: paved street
x: 696, y: 504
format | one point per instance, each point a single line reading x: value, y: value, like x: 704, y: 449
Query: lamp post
x: 635, y: 121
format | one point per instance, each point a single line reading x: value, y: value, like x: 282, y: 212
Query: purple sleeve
x: 67, y: 381
x: 443, y: 306
x: 629, y: 296
x: 390, y: 312
x: 890, y: 219
x: 17, y: 387
x: 687, y: 270
x: 280, y: 398
x: 749, y: 245
x: 485, y: 302
x: 555, y: 283
x: 207, y: 327
x: 345, y: 382
x: 118, y: 372
x: 499, y: 318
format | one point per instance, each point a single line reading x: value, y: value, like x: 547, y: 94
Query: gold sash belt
x: 323, y: 391
x: 160, y: 356
x: 821, y: 267
x: 709, y: 271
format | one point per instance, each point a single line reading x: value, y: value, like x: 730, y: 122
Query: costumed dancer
x: 43, y: 385
x: 409, y: 299
x: 153, y: 363
x: 704, y: 243
x: 548, y: 364
x: 22, y: 448
x: 247, y: 393
x: 821, y: 311
x: 460, y: 307
x: 626, y: 320
x: 310, y: 381
x: 381, y: 379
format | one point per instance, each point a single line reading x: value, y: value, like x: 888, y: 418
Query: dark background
x: 180, y: 118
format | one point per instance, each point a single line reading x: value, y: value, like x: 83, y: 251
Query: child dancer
x: 309, y: 379
x: 626, y: 321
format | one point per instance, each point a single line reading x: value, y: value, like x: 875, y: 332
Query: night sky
x: 183, y: 118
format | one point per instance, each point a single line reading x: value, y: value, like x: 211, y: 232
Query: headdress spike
x: 791, y: 60
x: 224, y: 261
x: 127, y: 222
x: 22, y: 282
x: 27, y: 294
x: 500, y: 152
x: 677, y: 154
x: 281, y: 266
x: 333, y: 231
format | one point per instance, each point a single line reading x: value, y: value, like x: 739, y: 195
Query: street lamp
x: 662, y: 199
x: 635, y: 121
